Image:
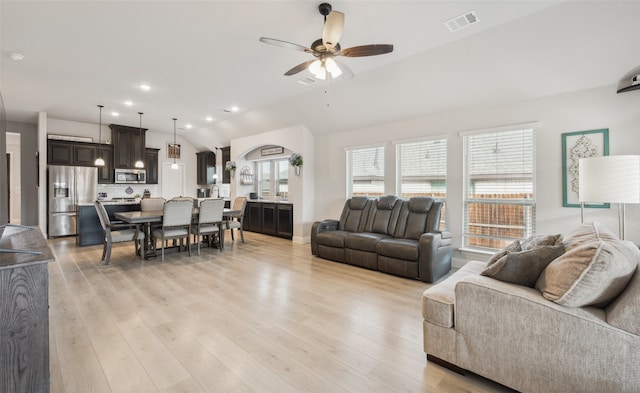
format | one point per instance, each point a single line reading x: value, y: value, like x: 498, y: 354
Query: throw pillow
x: 515, y: 246
x: 593, y: 270
x: 523, y: 267
x: 541, y: 240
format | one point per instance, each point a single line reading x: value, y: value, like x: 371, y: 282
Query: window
x: 264, y: 179
x: 422, y: 171
x: 499, y: 184
x: 422, y: 168
x: 365, y: 171
x: 273, y: 178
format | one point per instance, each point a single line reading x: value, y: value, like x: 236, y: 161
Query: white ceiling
x: 201, y: 57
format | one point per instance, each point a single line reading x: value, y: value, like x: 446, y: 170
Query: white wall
x: 578, y: 111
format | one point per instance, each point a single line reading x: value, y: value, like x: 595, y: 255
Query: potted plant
x: 230, y: 166
x: 296, y: 162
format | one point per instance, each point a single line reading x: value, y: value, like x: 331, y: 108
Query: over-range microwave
x: 131, y: 176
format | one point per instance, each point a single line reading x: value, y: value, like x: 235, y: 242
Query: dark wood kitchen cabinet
x: 128, y: 145
x: 105, y: 173
x: 226, y: 156
x: 269, y: 218
x: 206, y: 167
x: 70, y: 153
x: 151, y: 165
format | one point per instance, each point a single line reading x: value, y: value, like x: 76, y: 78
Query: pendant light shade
x: 140, y: 163
x: 175, y: 164
x: 99, y: 161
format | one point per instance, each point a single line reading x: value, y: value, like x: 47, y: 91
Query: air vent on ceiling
x: 462, y: 21
x: 306, y: 81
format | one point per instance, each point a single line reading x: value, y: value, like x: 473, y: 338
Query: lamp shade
x: 614, y: 179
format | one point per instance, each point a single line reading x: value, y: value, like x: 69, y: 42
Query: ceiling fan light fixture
x: 335, y: 73
x: 315, y: 67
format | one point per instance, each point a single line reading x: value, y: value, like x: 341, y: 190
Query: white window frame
x: 491, y: 241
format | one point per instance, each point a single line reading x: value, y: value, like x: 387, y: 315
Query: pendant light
x: 139, y: 163
x: 99, y: 161
x: 174, y: 165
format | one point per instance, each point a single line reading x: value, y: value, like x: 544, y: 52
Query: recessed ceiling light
x: 234, y: 109
x: 115, y: 114
x: 189, y: 126
x: 128, y: 103
x: 209, y: 118
x: 145, y: 87
x: 16, y: 56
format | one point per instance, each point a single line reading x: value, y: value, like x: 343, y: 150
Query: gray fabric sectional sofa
x: 577, y: 329
x: 388, y: 234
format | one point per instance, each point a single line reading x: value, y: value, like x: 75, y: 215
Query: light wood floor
x: 263, y: 316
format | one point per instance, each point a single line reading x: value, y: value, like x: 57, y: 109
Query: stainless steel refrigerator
x: 69, y: 186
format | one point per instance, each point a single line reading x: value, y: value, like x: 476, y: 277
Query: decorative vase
x: 297, y: 170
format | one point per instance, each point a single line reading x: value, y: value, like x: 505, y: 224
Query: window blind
x: 422, y: 168
x: 366, y: 171
x: 499, y: 188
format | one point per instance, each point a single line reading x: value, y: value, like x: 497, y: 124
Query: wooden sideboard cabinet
x: 269, y: 218
x: 24, y: 311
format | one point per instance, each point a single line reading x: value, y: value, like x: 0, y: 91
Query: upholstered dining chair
x: 209, y: 221
x: 176, y: 223
x: 236, y: 219
x: 117, y: 233
x: 152, y: 204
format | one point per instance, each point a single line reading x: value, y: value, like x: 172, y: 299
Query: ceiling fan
x: 328, y: 47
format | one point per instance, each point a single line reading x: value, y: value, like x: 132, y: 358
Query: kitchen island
x: 89, y: 228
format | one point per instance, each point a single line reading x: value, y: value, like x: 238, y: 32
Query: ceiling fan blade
x: 367, y: 50
x: 299, y: 67
x: 285, y: 44
x: 333, y: 28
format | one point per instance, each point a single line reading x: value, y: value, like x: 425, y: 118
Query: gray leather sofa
x: 388, y: 234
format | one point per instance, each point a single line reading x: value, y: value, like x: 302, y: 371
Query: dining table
x: 147, y: 218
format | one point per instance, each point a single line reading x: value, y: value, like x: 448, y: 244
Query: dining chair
x: 209, y: 221
x: 176, y: 223
x: 236, y: 219
x: 152, y: 204
x: 117, y: 233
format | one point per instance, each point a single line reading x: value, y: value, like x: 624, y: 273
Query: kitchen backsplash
x: 120, y: 190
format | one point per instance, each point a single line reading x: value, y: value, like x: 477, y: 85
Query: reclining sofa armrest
x: 321, y: 226
x: 434, y: 255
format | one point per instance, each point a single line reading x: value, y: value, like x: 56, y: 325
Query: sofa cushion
x: 332, y: 238
x: 624, y: 311
x: 405, y: 249
x: 438, y: 301
x: 353, y: 214
x: 593, y: 270
x: 523, y: 267
x: 364, y: 241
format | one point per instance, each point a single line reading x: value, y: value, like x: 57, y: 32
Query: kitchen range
x: 68, y: 187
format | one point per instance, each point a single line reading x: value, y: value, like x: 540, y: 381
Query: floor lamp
x: 610, y: 179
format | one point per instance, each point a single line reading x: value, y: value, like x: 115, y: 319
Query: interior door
x: 173, y: 181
